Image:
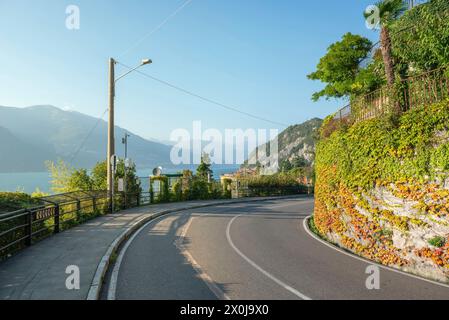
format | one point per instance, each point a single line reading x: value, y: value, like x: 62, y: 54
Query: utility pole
x: 111, y: 139
x: 126, y: 164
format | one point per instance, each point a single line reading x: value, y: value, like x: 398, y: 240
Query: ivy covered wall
x: 382, y: 189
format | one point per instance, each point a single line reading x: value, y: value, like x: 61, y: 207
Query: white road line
x: 201, y: 273
x: 112, y: 290
x: 310, y: 233
x: 257, y: 267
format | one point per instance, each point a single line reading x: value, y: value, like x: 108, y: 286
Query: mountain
x: 295, y: 142
x: 29, y: 136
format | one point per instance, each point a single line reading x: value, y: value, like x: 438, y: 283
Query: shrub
x: 437, y: 241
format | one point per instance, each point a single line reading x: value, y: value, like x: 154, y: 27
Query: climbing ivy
x: 389, y: 149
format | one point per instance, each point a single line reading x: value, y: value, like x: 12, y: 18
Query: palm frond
x: 391, y: 10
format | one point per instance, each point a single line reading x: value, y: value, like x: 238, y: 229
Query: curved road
x: 248, y: 252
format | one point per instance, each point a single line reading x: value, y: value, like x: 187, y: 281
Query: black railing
x: 57, y: 213
x: 414, y: 92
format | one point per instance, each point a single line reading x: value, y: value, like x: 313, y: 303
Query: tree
x: 60, y: 174
x: 340, y: 66
x: 80, y: 180
x: 286, y: 165
x: 99, y: 176
x: 299, y: 162
x: 424, y: 46
x: 132, y: 180
x: 389, y: 11
x: 370, y: 78
x: 67, y: 179
x: 204, y: 170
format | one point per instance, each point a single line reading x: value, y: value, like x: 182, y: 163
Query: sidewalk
x: 38, y: 272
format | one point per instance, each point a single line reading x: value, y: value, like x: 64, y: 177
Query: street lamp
x: 111, y: 139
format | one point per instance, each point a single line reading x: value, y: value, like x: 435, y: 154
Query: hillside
x: 29, y: 136
x: 295, y: 142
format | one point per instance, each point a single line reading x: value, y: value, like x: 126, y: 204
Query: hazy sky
x: 253, y: 55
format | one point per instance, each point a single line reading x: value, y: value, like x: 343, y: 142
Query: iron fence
x: 57, y: 213
x: 411, y: 93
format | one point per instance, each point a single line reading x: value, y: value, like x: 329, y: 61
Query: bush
x: 12, y: 201
x: 438, y: 242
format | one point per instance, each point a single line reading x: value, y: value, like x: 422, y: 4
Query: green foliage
x: 314, y: 229
x: 12, y: 201
x: 60, y: 173
x: 38, y: 193
x: 438, y: 242
x: 280, y: 180
x: 414, y: 146
x: 424, y: 43
x: 390, y: 10
x: 79, y: 180
x: 340, y: 66
x: 204, y: 171
x: 370, y: 78
x: 68, y: 179
x: 99, y: 176
x: 132, y: 180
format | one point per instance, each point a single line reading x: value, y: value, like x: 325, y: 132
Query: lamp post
x: 127, y: 165
x: 111, y: 139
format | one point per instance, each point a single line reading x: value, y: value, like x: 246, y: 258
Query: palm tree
x: 389, y: 11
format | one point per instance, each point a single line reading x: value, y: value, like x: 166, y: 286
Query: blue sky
x: 250, y: 54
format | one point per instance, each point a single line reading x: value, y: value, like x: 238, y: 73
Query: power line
x: 233, y: 109
x: 88, y: 136
x: 172, y: 15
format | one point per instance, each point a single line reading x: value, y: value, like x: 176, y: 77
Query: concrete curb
x: 354, y: 256
x: 103, y: 266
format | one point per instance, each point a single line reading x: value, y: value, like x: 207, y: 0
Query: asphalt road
x: 248, y: 252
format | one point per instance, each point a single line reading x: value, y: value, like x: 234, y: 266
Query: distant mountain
x: 29, y: 136
x: 296, y: 141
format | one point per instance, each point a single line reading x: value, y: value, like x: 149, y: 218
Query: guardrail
x: 414, y: 92
x: 24, y: 227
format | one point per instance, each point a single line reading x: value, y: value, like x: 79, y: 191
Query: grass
x: 314, y: 229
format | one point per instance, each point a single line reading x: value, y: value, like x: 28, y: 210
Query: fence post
x: 78, y: 210
x: 94, y: 204
x: 138, y: 199
x: 29, y: 228
x: 56, y: 230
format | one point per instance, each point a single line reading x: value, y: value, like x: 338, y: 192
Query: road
x: 251, y: 251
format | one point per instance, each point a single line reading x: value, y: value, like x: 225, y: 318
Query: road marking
x: 199, y: 270
x: 112, y: 290
x: 257, y: 267
x: 310, y: 233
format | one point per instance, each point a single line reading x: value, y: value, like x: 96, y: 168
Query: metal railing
x: 414, y: 92
x: 22, y: 228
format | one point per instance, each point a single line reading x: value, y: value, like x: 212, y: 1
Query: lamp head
x: 146, y: 61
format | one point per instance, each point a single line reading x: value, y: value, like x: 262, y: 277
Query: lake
x: 29, y: 181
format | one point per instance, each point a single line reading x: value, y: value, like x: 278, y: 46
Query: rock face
x: 296, y: 142
x: 382, y: 189
x: 404, y: 225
